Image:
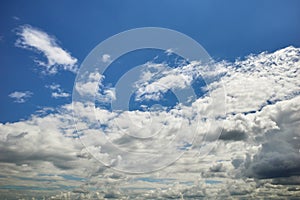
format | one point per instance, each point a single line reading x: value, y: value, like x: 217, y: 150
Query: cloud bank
x: 255, y: 156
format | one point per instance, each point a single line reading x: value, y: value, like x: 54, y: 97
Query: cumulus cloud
x: 57, y: 58
x: 20, y: 97
x: 263, y: 79
x: 89, y: 84
x: 279, y: 155
x: 159, y: 78
x: 45, y: 150
x: 256, y: 156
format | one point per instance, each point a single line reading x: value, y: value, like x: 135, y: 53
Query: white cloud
x: 57, y: 58
x: 89, y: 84
x: 57, y: 92
x: 16, y: 18
x: 20, y: 97
x: 169, y: 52
x: 106, y: 58
x: 249, y: 143
x: 60, y: 94
x: 258, y: 80
x: 279, y: 155
x: 159, y: 78
x: 107, y: 95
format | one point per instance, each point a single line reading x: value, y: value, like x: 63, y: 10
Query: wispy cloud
x: 57, y: 92
x: 20, y: 97
x: 16, y: 18
x: 57, y: 58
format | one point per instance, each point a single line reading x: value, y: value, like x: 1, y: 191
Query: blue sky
x: 44, y: 43
x: 227, y: 30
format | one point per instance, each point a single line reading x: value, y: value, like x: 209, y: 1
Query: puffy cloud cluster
x: 256, y: 156
x: 159, y: 78
x: 280, y: 152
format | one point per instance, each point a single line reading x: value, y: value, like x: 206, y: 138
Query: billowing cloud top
x: 256, y: 155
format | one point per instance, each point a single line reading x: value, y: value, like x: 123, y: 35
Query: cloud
x: 159, y: 78
x: 169, y: 52
x: 57, y: 58
x: 106, y: 58
x: 20, y: 97
x: 43, y: 145
x: 16, y: 18
x: 60, y: 95
x: 261, y: 127
x: 279, y: 155
x: 259, y: 80
x: 89, y: 84
x: 57, y: 92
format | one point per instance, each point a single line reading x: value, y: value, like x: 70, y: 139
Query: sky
x: 212, y: 114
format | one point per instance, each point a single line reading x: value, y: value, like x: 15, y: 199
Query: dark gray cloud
x: 279, y: 155
x: 233, y: 135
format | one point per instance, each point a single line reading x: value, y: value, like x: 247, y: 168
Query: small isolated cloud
x: 20, y: 97
x: 57, y: 95
x: 57, y: 58
x: 57, y: 92
x: 169, y: 52
x: 106, y: 58
x: 16, y: 18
